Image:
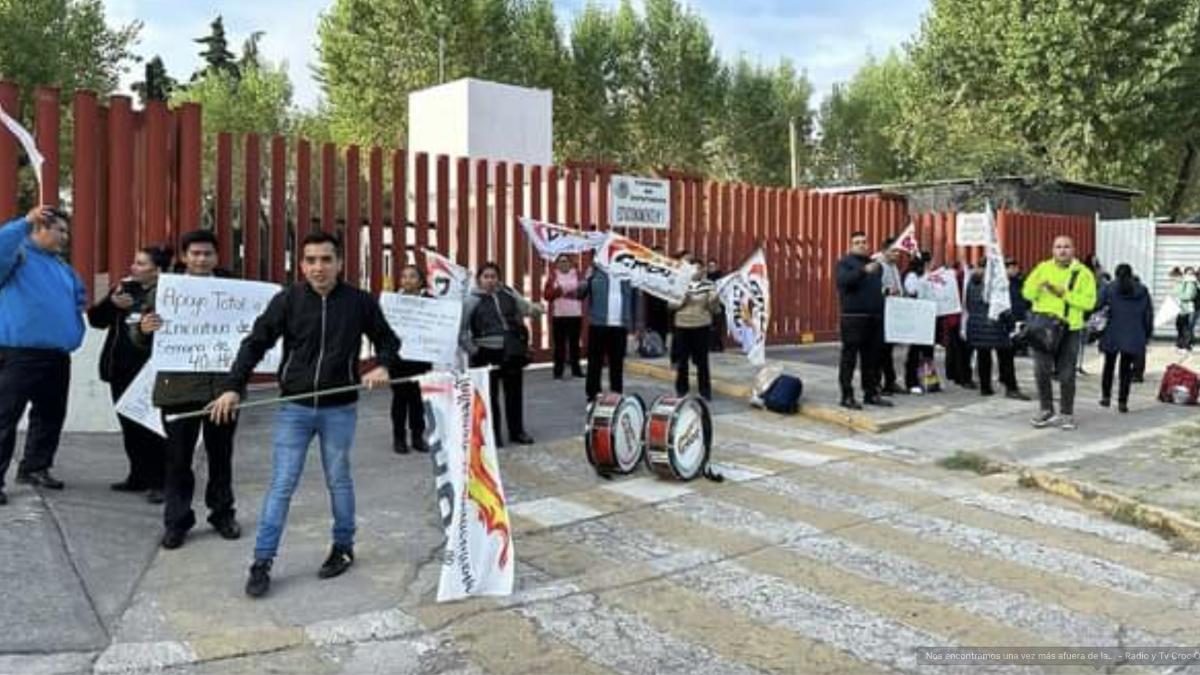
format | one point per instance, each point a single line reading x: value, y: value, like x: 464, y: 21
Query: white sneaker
x: 1067, y: 423
x: 1043, y: 419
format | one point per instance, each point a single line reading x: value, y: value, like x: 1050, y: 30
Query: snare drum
x: 613, y: 434
x: 678, y: 437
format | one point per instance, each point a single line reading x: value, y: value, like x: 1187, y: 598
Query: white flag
x: 479, y: 557
x: 446, y: 278
x: 27, y: 142
x: 746, y: 296
x: 552, y: 241
x: 623, y: 258
x: 995, y: 285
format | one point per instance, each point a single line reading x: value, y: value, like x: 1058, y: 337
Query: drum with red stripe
x: 613, y: 434
x: 678, y: 437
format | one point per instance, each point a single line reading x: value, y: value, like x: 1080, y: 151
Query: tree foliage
x: 157, y: 85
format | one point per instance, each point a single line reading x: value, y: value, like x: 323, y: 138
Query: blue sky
x: 827, y: 38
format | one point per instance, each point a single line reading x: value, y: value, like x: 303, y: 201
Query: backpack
x: 783, y: 396
x: 1179, y: 385
x: 651, y: 345
x: 927, y: 377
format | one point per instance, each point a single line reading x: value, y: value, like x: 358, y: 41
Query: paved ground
x: 824, y: 552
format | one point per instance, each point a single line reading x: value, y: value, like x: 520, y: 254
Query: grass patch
x: 969, y: 461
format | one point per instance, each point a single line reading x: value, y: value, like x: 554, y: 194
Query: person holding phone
x: 121, y: 361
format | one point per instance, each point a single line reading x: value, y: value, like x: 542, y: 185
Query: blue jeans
x: 295, y: 426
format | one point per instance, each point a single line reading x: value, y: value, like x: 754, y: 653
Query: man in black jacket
x: 860, y: 289
x: 180, y: 392
x: 322, y: 323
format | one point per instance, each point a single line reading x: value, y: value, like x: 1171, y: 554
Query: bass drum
x: 612, y: 436
x: 678, y: 437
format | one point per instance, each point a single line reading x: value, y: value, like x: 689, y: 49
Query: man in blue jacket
x: 610, y: 318
x: 41, y: 322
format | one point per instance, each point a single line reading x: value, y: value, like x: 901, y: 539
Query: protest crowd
x: 597, y: 289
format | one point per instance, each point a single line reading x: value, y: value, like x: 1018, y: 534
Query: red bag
x: 1179, y: 385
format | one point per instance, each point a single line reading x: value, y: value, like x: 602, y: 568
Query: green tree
x: 157, y: 85
x: 216, y: 52
x: 859, y: 124
x: 761, y: 104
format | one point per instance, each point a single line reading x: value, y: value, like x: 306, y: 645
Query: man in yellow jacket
x: 1065, y: 289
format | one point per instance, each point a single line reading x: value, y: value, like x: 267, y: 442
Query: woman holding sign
x: 494, y: 334
x: 408, y: 411
x: 566, y: 315
x: 120, y: 362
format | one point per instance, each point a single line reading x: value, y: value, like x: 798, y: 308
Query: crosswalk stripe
x: 1096, y: 571
x: 775, y: 425
x: 553, y: 511
x: 649, y: 490
x: 508, y: 643
x: 741, y: 447
x: 1156, y: 617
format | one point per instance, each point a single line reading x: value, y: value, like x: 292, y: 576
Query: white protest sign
x: 909, y: 322
x: 204, y: 321
x: 1167, y: 313
x: 427, y: 327
x: 136, y: 403
x: 478, y: 558
x: 640, y: 202
x: 972, y: 229
x: 943, y: 289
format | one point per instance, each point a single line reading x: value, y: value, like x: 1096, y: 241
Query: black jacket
x: 860, y: 292
x: 982, y: 332
x: 322, y: 338
x: 120, y: 360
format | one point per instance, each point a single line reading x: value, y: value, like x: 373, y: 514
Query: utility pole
x: 441, y: 59
x: 794, y: 134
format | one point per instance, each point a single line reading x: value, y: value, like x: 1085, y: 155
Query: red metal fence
x: 137, y: 177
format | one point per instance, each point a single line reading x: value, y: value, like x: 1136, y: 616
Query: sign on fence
x: 972, y: 229
x: 943, y: 289
x: 428, y: 327
x: 640, y: 202
x: 909, y: 322
x: 204, y: 321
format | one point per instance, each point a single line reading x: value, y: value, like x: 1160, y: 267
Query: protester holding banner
x: 408, y: 411
x: 179, y: 392
x: 121, y: 361
x: 986, y: 337
x: 41, y: 323
x: 654, y: 313
x: 1130, y: 327
x: 860, y: 290
x: 693, y: 325
x: 322, y: 323
x: 566, y: 315
x: 494, y: 334
x: 610, y: 317
x: 1061, y: 291
x: 919, y: 357
x: 892, y: 286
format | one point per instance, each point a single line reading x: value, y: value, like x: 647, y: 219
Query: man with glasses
x: 41, y: 322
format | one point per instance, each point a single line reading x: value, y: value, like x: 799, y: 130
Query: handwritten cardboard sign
x: 205, y: 320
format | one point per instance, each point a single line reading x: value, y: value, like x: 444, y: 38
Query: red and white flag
x: 446, y: 278
x: 907, y: 241
x: 552, y: 240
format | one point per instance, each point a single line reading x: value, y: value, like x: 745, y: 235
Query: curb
x: 856, y: 421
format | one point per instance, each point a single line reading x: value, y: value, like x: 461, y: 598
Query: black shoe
x: 155, y: 496
x: 577, y: 373
x: 3, y: 498
x: 987, y: 392
x: 968, y: 385
x: 126, y: 486
x: 892, y: 390
x: 558, y: 376
x: 41, y: 479
x: 228, y: 528
x: 851, y: 404
x: 260, y: 579
x: 1016, y: 395
x: 419, y: 445
x: 399, y: 446
x: 521, y: 438
x: 1105, y: 402
x: 878, y: 401
x: 339, y: 560
x: 1139, y: 380
x: 173, y: 539
x: 1122, y: 407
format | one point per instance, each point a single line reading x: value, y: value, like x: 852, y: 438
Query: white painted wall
x: 479, y: 119
x: 89, y: 408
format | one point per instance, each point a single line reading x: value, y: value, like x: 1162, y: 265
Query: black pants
x: 887, y: 367
x: 1008, y: 370
x: 1060, y: 365
x: 693, y: 344
x: 1183, y: 331
x: 862, y: 342
x: 181, y: 482
x: 916, y: 353
x: 958, y: 358
x: 408, y: 412
x: 606, y: 343
x: 146, y: 450
x: 1127, y: 370
x: 512, y: 375
x: 716, y: 336
x: 565, y: 335
x: 41, y: 377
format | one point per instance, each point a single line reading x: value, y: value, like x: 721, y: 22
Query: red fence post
x: 536, y: 264
x: 443, y: 206
x: 462, y: 195
x: 399, y: 214
x: 500, y: 217
x: 479, y: 238
x: 329, y: 187
x: 191, y: 153
x: 85, y: 187
x: 225, y: 198
x: 46, y: 132
x: 9, y: 100
x: 120, y: 204
x: 279, y: 225
x: 517, y: 274
x: 158, y: 123
x: 421, y: 195
x: 353, y: 218
x: 376, y: 205
x: 251, y: 204
x: 304, y: 221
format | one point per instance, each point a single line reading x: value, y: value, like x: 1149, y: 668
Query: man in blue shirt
x: 41, y: 322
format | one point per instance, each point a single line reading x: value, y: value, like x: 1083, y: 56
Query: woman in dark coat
x: 408, y: 411
x: 121, y: 361
x: 1130, y: 325
x: 985, y: 336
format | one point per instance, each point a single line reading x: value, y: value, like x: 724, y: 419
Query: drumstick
x: 295, y: 397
